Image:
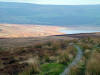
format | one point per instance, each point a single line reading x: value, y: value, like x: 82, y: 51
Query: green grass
x: 52, y: 69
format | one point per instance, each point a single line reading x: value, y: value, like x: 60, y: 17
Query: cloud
x: 67, y: 2
x: 59, y: 2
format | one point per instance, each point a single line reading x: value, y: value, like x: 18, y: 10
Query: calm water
x: 76, y: 30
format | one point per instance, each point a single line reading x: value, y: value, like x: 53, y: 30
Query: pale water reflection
x: 78, y: 31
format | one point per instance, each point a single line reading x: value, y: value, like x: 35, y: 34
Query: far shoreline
x: 33, y: 30
x: 18, y: 30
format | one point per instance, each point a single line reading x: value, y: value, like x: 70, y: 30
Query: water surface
x: 75, y: 30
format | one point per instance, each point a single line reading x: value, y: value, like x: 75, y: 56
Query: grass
x: 52, y: 57
x: 95, y: 62
x: 58, y: 54
x: 52, y: 69
x: 29, y: 71
x: 90, y: 61
x: 1, y: 49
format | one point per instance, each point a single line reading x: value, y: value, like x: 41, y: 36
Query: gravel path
x: 74, y: 62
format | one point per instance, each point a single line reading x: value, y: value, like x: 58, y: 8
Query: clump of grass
x: 93, y: 65
x: 39, y: 45
x: 50, y: 45
x: 63, y: 58
x: 34, y: 67
x: 46, y: 58
x: 67, y: 55
x: 79, y: 69
x: 1, y: 65
x: 1, y: 49
x: 28, y: 71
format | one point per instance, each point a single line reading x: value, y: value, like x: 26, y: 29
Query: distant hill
x: 24, y: 13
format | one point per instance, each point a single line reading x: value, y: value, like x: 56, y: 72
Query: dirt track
x: 74, y: 62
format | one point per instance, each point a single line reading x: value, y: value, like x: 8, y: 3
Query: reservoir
x: 76, y: 30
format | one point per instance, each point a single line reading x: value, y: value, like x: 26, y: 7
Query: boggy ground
x: 48, y: 55
x: 39, y: 56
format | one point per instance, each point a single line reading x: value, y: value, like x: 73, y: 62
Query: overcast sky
x: 57, y: 2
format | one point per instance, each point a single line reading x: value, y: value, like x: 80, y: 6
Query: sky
x: 57, y: 2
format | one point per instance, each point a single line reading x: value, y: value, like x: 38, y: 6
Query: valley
x: 40, y: 37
